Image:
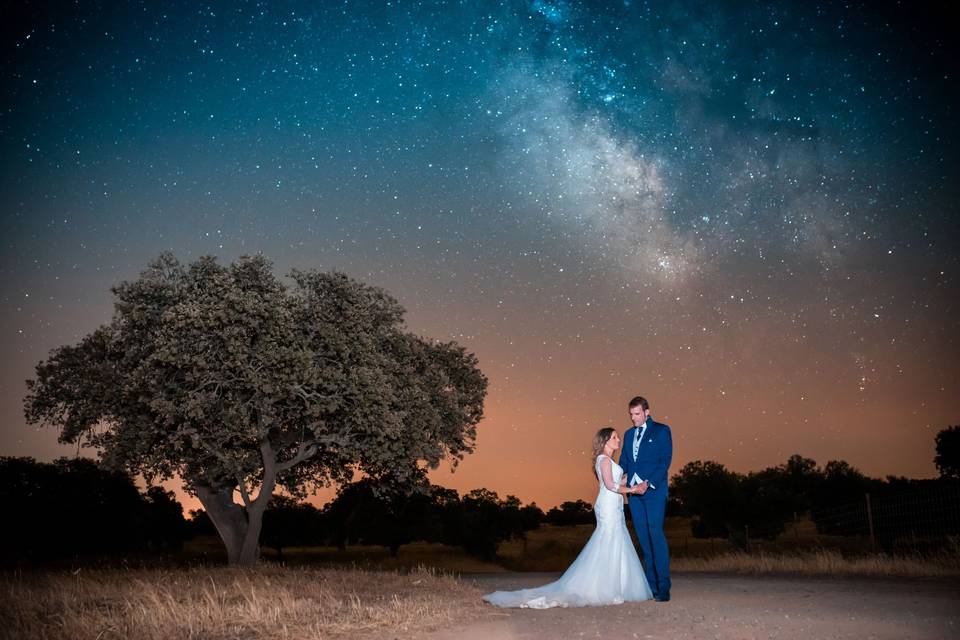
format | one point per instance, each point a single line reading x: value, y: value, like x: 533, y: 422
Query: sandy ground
x: 734, y: 607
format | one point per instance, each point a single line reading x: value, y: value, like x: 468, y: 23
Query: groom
x: 645, y: 458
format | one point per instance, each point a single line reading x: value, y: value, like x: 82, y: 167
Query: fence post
x: 873, y: 539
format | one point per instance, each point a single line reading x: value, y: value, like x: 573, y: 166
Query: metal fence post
x: 873, y: 539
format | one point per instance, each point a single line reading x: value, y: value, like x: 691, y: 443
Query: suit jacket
x: 653, y: 458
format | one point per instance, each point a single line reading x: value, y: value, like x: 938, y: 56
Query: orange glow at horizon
x: 534, y: 441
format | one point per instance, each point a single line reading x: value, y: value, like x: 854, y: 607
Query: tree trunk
x: 239, y: 528
x: 250, y: 548
x: 227, y: 516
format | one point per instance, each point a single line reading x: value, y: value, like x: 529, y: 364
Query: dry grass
x: 443, y: 558
x: 827, y: 563
x: 549, y: 548
x: 222, y: 603
x: 800, y: 552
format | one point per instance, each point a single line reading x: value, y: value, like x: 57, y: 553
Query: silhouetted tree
x: 768, y: 504
x: 483, y: 526
x: 531, y: 517
x: 288, y: 522
x: 712, y: 496
x: 76, y: 507
x: 843, y: 485
x: 199, y: 524
x: 165, y: 525
x: 28, y: 491
x: 361, y: 515
x: 801, y: 480
x: 948, y: 452
x: 447, y: 519
x: 239, y: 384
x: 776, y: 495
x: 570, y: 513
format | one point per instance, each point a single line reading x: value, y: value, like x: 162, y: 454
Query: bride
x: 608, y: 570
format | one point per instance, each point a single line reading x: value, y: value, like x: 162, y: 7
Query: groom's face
x: 639, y: 415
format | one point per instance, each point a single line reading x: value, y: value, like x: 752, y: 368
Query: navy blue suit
x: 648, y: 510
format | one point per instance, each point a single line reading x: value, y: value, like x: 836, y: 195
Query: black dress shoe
x: 662, y: 596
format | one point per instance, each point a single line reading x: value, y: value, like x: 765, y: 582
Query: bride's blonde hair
x: 600, y: 441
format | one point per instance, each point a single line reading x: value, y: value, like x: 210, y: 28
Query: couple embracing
x: 608, y: 569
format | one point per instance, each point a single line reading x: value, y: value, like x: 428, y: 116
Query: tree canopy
x: 238, y: 382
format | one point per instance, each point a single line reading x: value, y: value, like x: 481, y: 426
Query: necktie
x: 637, y: 439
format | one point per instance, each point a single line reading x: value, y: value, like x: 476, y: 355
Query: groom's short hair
x: 640, y: 401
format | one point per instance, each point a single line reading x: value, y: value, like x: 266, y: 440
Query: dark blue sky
x: 745, y: 211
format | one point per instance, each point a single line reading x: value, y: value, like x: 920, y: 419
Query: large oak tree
x: 240, y: 383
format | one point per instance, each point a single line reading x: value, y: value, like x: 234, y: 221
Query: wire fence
x: 920, y: 520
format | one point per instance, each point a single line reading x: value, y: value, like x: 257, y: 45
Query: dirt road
x: 734, y: 607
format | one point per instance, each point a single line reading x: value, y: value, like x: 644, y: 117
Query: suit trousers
x: 648, y: 514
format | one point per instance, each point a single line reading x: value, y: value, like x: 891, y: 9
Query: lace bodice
x: 609, y: 473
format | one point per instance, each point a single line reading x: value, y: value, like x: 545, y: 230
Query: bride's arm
x: 606, y: 475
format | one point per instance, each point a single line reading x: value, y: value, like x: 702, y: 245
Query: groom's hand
x: 642, y: 487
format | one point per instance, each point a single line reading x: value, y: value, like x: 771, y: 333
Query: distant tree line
x: 838, y: 497
x: 79, y: 508
x: 477, y: 522
x: 75, y: 507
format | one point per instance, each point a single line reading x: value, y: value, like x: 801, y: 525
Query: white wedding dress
x: 607, y: 571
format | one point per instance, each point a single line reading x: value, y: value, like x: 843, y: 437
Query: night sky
x: 746, y: 212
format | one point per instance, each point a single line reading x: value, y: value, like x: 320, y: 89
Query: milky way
x: 746, y: 212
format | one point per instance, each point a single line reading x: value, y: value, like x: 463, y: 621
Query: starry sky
x: 746, y: 212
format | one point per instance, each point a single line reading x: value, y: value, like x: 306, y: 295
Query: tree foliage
x: 288, y: 522
x: 571, y: 513
x: 948, y: 452
x: 727, y: 504
x: 75, y: 507
x: 239, y: 383
x: 362, y: 515
x: 712, y: 496
x: 723, y: 503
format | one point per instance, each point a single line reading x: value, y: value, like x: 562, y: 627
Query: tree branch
x: 307, y: 450
x: 304, y: 452
x: 243, y: 492
x: 269, y: 475
x: 241, y: 484
x: 309, y: 395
